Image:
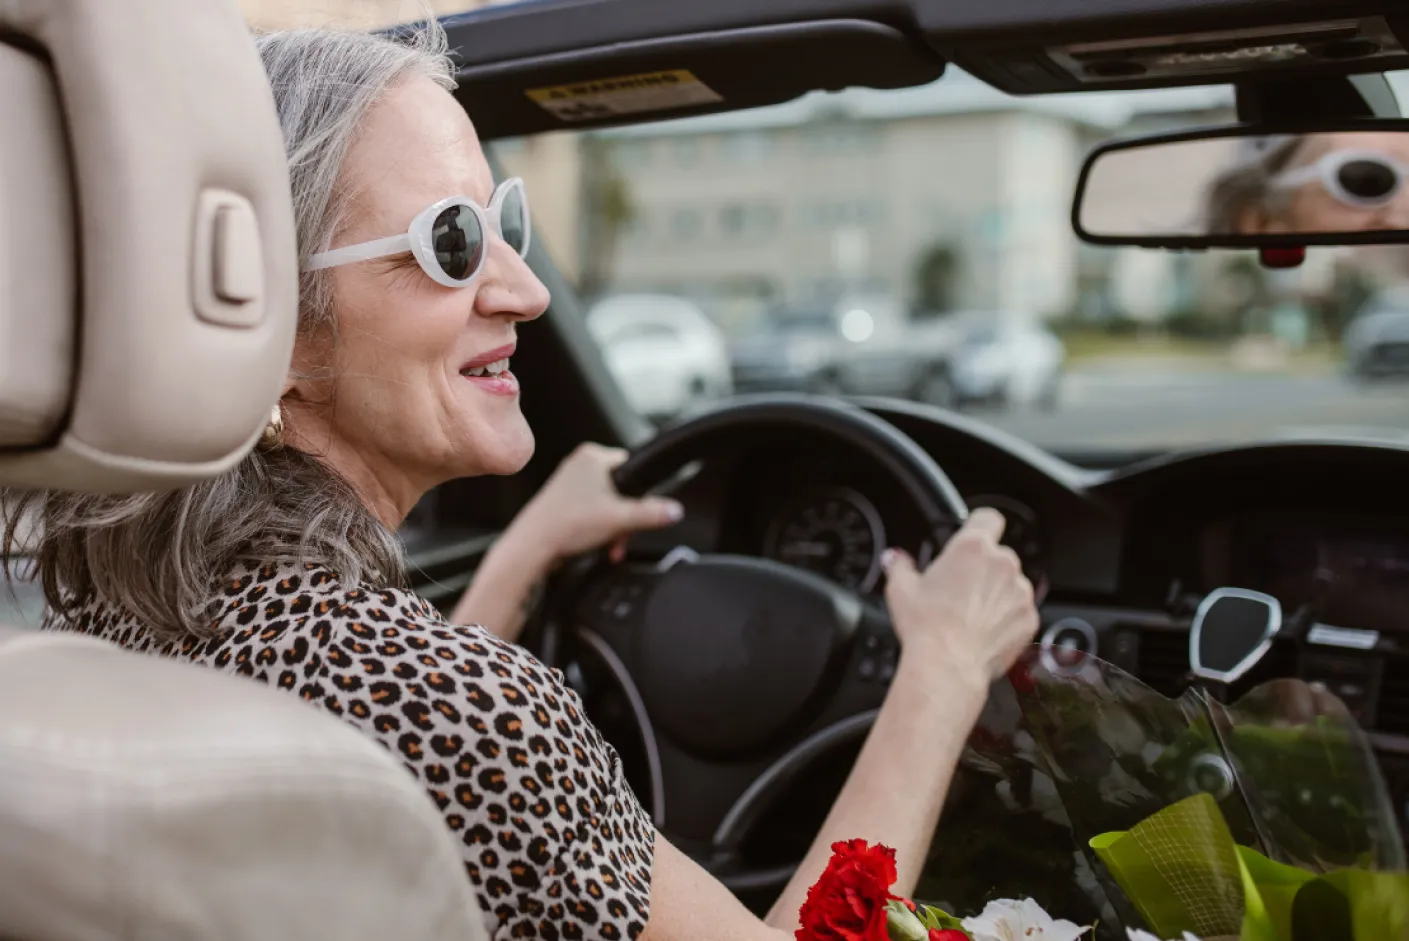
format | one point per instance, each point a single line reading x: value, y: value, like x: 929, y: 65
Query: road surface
x: 1129, y: 406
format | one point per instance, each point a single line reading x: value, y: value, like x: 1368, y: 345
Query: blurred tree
x: 607, y: 208
x: 1350, y: 289
x: 1247, y: 291
x: 936, y: 276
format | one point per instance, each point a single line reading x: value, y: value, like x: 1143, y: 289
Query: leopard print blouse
x: 553, y: 838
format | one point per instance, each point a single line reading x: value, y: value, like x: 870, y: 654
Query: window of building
x: 749, y: 220
x: 748, y: 146
x: 686, y: 223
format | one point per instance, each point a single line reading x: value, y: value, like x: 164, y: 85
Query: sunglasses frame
x: 1327, y: 170
x: 419, y: 238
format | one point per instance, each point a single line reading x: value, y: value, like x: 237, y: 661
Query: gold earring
x: 272, y: 438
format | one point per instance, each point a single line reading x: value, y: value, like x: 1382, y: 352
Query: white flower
x: 1137, y: 935
x: 1011, y: 920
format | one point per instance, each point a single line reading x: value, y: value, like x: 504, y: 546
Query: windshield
x: 950, y: 205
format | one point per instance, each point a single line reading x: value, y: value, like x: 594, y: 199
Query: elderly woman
x: 1347, y: 181
x: 288, y: 569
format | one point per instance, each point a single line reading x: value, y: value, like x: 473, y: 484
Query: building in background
x: 948, y: 197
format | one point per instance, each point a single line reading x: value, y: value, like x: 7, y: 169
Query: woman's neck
x: 387, y: 490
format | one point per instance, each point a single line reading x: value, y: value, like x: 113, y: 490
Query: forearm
x: 897, y: 787
x: 505, y: 589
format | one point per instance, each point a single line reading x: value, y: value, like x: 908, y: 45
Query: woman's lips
x: 505, y: 383
x: 489, y: 356
x: 490, y: 371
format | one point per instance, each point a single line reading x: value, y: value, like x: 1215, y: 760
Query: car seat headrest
x: 148, y: 264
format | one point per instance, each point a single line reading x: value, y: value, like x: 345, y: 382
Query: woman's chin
x: 501, y: 449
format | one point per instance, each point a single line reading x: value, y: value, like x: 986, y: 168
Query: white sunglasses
x: 1362, y: 179
x: 449, y: 238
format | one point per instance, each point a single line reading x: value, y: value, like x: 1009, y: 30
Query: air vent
x: 1393, y: 713
x: 1163, y: 660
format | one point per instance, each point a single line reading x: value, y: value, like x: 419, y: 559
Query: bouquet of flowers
x: 1165, y: 819
x: 852, y: 901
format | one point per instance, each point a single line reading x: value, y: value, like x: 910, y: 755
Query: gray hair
x: 162, y: 556
x: 1248, y: 184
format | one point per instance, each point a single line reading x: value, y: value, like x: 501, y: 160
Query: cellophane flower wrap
x: 1127, y: 814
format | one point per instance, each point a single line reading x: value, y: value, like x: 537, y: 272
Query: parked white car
x: 664, y: 351
x: 1006, y: 361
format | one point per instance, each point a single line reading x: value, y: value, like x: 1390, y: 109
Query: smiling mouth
x: 496, y: 368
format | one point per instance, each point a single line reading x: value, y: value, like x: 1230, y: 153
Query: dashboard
x: 1354, y: 570
x: 1120, y: 559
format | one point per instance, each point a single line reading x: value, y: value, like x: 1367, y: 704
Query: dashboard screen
x: 1355, y: 573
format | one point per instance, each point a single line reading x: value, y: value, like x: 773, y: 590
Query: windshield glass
x: 871, y: 243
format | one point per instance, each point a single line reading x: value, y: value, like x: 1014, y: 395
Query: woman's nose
x: 510, y: 288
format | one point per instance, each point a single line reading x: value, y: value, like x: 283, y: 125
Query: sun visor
x: 148, y: 264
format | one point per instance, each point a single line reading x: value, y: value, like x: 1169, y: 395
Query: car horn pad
x: 1112, y: 804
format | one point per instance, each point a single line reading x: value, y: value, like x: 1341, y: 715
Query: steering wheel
x: 739, y: 670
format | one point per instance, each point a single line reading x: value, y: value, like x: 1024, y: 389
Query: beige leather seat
x: 147, y: 309
x: 143, y: 798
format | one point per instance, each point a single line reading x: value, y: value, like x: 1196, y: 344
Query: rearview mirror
x: 1241, y: 187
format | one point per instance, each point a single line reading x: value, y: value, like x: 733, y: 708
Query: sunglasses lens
x: 513, y: 219
x: 458, y: 241
x: 1368, y: 179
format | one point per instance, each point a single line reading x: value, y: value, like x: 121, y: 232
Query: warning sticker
x: 625, y: 94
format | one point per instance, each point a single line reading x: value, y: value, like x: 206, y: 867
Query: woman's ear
x: 310, y: 368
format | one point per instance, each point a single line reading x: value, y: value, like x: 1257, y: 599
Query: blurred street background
x: 918, y: 243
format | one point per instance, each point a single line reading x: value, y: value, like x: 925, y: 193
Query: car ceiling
x: 753, y: 54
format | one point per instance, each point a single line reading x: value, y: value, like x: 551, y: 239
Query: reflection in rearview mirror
x: 1238, y: 188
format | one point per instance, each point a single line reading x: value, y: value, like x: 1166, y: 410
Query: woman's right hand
x: 972, y: 608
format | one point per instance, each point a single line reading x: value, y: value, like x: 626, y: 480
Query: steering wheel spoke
x: 870, y: 668
x: 614, y: 606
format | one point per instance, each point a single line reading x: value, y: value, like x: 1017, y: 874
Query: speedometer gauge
x: 833, y: 532
x: 1022, y: 534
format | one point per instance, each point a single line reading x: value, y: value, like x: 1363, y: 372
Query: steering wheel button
x: 887, y: 671
x: 622, y: 609
x: 867, y: 669
x: 871, y: 642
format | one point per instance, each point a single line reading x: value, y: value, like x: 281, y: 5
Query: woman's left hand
x: 579, y: 509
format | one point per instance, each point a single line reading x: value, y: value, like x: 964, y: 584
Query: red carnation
x: 947, y: 934
x: 1020, y: 675
x: 848, y: 901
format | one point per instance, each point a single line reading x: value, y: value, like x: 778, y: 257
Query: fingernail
x: 888, y: 558
x: 674, y: 511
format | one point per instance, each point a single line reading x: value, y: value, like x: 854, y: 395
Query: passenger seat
x: 148, y: 292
